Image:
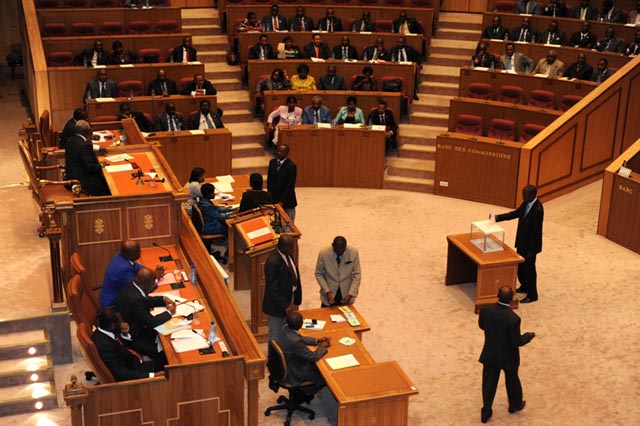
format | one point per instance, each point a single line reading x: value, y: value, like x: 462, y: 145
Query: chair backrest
x: 479, y: 91
x: 79, y: 302
x: 149, y: 55
x: 47, y: 3
x: 79, y: 268
x: 184, y: 81
x: 542, y: 98
x: 125, y: 87
x: 504, y: 6
x: 529, y: 130
x: 567, y: 101
x: 76, y: 3
x: 511, y: 94
x: 60, y: 59
x: 112, y: 28
x: 104, y: 3
x: 104, y: 118
x: 167, y: 26
x: 197, y: 219
x: 55, y: 29
x: 83, y: 29
x: 277, y: 363
x: 469, y: 124
x: 502, y: 129
x: 140, y: 27
x: 383, y: 25
x: 101, y: 371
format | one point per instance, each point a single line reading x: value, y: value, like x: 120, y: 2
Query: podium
x: 253, y: 235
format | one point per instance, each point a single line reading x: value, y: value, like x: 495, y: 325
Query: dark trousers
x: 337, y: 300
x: 528, y: 276
x: 490, y: 376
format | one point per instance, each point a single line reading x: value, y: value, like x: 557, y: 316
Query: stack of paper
x: 344, y: 361
x: 188, y: 340
x: 173, y: 325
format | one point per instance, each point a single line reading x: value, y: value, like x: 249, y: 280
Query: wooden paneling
x: 98, y: 226
x: 601, y: 120
x: 631, y: 112
x: 312, y: 151
x: 464, y: 5
x: 556, y: 162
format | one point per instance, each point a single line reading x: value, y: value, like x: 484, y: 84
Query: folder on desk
x: 173, y: 325
x: 344, y: 361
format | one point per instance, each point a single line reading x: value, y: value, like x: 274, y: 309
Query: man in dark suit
x: 143, y: 122
x: 301, y: 361
x: 405, y: 25
x: 94, y: 56
x: 603, y: 72
x: 169, y: 120
x: 345, y: 50
x: 262, y: 50
x: 70, y: 127
x: 580, y: 69
x: 610, y: 43
x: 610, y: 13
x: 384, y: 117
x: 404, y: 53
x: 82, y: 163
x: 316, y: 49
x: 274, y: 21
x: 101, y: 87
x: 316, y: 113
x: 281, y: 181
x: 496, y: 30
x: 376, y: 51
x: 161, y: 85
x: 528, y: 7
x: 135, y: 304
x: 330, y: 23
x: 205, y: 118
x: 584, y: 11
x: 556, y: 9
x: 331, y: 80
x: 583, y: 38
x: 553, y: 34
x: 301, y: 22
x: 256, y: 196
x: 530, y: 216
x: 198, y: 86
x: 364, y: 24
x: 524, y: 32
x: 283, y: 290
x: 501, y: 351
x: 113, y: 342
x: 185, y: 52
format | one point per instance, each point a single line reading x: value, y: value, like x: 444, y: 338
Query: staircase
x: 26, y: 373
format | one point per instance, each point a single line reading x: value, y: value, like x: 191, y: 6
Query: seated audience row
x: 584, y: 10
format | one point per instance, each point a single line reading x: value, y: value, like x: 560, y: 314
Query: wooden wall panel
x: 631, y: 131
x: 98, y: 226
x: 601, y: 121
x: 624, y: 223
x: 556, y: 161
x: 149, y: 222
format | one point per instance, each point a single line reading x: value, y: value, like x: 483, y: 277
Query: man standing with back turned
x: 281, y: 181
x: 530, y: 216
x: 501, y: 351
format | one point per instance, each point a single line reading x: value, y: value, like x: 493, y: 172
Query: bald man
x: 338, y: 273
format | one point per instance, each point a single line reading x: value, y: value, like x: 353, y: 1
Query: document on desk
x: 309, y: 325
x: 337, y: 318
x: 225, y: 178
x: 173, y: 325
x: 344, y: 361
x: 119, y: 157
x: 118, y: 168
x: 188, y: 340
x: 223, y: 186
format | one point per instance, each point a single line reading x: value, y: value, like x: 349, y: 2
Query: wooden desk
x: 336, y: 157
x: 259, y: 69
x: 332, y: 99
x: 67, y: 84
x: 370, y: 393
x: 498, y: 79
x: 358, y: 40
x: 185, y: 105
x: 185, y: 150
x: 477, y: 156
x: 324, y: 314
x: 488, y: 110
x: 490, y: 271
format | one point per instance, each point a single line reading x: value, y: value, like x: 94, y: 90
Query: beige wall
x: 9, y: 34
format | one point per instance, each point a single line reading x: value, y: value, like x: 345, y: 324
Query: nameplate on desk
x: 344, y: 361
x: 126, y: 65
x: 352, y: 125
x: 324, y: 125
x: 624, y: 172
x: 105, y: 99
x: 316, y: 59
x: 118, y: 158
x: 194, y: 63
x: 379, y: 127
x: 196, y: 132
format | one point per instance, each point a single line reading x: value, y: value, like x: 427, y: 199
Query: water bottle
x: 88, y: 95
x: 131, y: 95
x: 171, y: 58
x: 193, y: 277
x: 212, y: 333
x: 123, y: 135
x: 287, y: 227
x: 85, y: 63
x: 153, y: 94
x: 533, y: 38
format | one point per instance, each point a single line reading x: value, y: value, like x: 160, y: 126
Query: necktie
x: 345, y: 54
x: 262, y: 53
x: 280, y: 163
x: 131, y: 351
x: 608, y: 44
x: 301, y: 24
x: 210, y: 124
x: 527, y: 8
x: 317, y: 52
x: 338, y: 259
x: 330, y: 26
x: 583, y: 13
x: 315, y: 117
x: 403, y: 56
x: 382, y: 120
x: 170, y: 120
x: 165, y: 92
x: 185, y: 55
x: 554, y: 11
x: 332, y: 81
x: 523, y: 35
x: 375, y: 54
x: 582, y: 36
x: 275, y: 24
x: 362, y: 27
x: 509, y: 63
x: 549, y: 38
x: 102, y: 90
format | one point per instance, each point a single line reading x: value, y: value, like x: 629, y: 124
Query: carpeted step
x: 437, y: 88
x: 236, y: 115
x: 234, y: 99
x: 422, y: 152
x: 212, y: 56
x: 419, y: 134
x: 201, y: 29
x: 432, y: 103
x: 226, y: 83
x: 247, y: 149
x: 246, y: 166
x: 459, y: 34
x: 408, y: 184
x: 222, y: 70
x: 252, y: 131
x: 198, y: 13
x: 410, y: 167
x: 440, y: 74
x: 429, y: 119
x: 207, y: 43
x: 447, y: 59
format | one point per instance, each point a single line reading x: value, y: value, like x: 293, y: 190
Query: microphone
x: 168, y: 257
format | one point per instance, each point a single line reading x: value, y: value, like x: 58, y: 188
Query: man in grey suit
x: 301, y: 361
x: 101, y: 87
x: 338, y: 273
x: 515, y: 61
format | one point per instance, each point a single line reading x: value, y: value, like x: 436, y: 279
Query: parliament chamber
x: 576, y: 146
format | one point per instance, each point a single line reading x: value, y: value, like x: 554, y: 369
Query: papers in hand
x: 118, y: 158
x: 188, y: 340
x: 173, y: 325
x: 309, y: 325
x: 344, y: 361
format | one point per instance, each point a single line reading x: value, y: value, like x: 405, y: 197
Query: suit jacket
x: 295, y: 23
x: 633, y: 49
x: 143, y: 122
x: 68, y: 131
x: 519, y: 62
x: 191, y: 86
x: 136, y: 311
x: 412, y: 55
x: 488, y: 60
x: 194, y: 120
x: 279, y: 286
x: 367, y: 54
x: 584, y: 73
x: 533, y: 8
x: 558, y: 10
x: 93, y: 87
x: 301, y: 361
x: 389, y: 120
x: 330, y: 275
x: 282, y: 183
x: 368, y: 26
x: 324, y: 115
x: 325, y: 83
x: 156, y: 85
x: 352, y: 52
x: 612, y: 45
x: 414, y: 26
x: 252, y: 199
x: 556, y: 38
x: 591, y: 15
x: 254, y: 52
x: 529, y: 233
x: 267, y: 23
x: 162, y: 122
x: 530, y: 36
x: 87, y: 54
x: 309, y: 51
x: 324, y: 23
x: 502, y: 338
x: 600, y: 77
x: 586, y: 42
x: 119, y: 273
x: 178, y: 51
x: 123, y: 364
x: 615, y: 16
x: 82, y: 164
x: 554, y: 70
x: 499, y: 33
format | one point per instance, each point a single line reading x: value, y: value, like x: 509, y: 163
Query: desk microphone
x: 168, y: 257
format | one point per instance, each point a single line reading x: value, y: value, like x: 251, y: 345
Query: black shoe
x: 528, y: 300
x: 416, y: 98
x: 518, y: 408
x: 485, y: 415
x: 520, y: 290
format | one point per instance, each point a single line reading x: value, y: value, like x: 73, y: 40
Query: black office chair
x: 277, y: 365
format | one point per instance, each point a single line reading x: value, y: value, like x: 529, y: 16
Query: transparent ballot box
x: 487, y: 236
